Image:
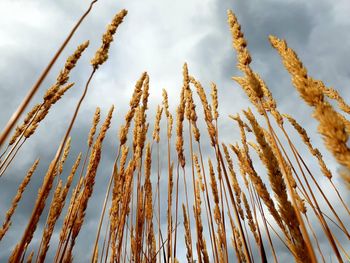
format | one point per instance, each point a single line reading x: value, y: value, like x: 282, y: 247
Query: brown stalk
x: 95, y: 158
x: 16, y: 143
x: 176, y: 206
x: 16, y: 115
x: 292, y: 195
x: 134, y: 103
x: 298, y: 157
x: 332, y: 125
x: 158, y: 181
x: 240, y: 256
x: 188, y: 241
x: 315, y: 152
x: 193, y: 178
x: 47, y: 184
x: 277, y: 182
x: 323, y: 195
x: 270, y: 104
x: 180, y: 112
x: 245, y: 247
x: 188, y: 217
x: 39, y: 111
x: 8, y: 161
x: 212, y: 134
x: 319, y: 212
x: 211, y: 228
x: 203, y: 189
x: 315, y: 237
x: 104, y: 243
x: 260, y: 241
x: 215, y: 116
x: 80, y: 180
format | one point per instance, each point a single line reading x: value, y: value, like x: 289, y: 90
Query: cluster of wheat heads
x: 233, y: 209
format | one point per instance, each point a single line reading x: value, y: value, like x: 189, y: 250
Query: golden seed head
x: 166, y: 103
x: 102, y: 53
x: 95, y: 122
x: 214, y: 95
x: 71, y: 63
x: 239, y: 42
x: 65, y: 155
x: 156, y: 130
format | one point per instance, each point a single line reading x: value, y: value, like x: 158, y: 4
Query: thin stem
x: 315, y: 237
x: 13, y: 156
x: 208, y: 202
x: 339, y: 196
x: 169, y: 245
x: 21, y: 245
x: 18, y: 141
x: 261, y: 210
x: 233, y: 201
x: 193, y: 179
x: 58, y: 251
x: 319, y: 211
x: 115, y: 169
x: 291, y: 193
x: 187, y: 208
x: 104, y: 242
x: 8, y: 146
x: 176, y: 206
x: 260, y: 243
x: 158, y: 189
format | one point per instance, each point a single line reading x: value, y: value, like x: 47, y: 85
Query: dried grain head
x: 19, y: 129
x: 179, y: 135
x: 254, y: 83
x: 199, y: 172
x: 309, y: 92
x: 102, y: 53
x: 95, y: 122
x: 214, y: 96
x: 213, y: 183
x: 156, y: 130
x: 165, y: 103
x: 63, y: 76
x: 334, y: 94
x: 239, y: 42
x: 71, y: 63
x: 145, y: 93
x: 65, y: 155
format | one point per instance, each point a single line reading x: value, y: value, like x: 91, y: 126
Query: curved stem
x: 216, y: 259
x: 13, y: 156
x: 115, y: 170
x: 16, y: 115
x: 21, y: 245
x: 339, y: 196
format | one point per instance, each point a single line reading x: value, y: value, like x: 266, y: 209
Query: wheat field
x: 176, y: 190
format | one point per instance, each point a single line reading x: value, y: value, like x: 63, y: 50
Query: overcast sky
x: 158, y: 37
